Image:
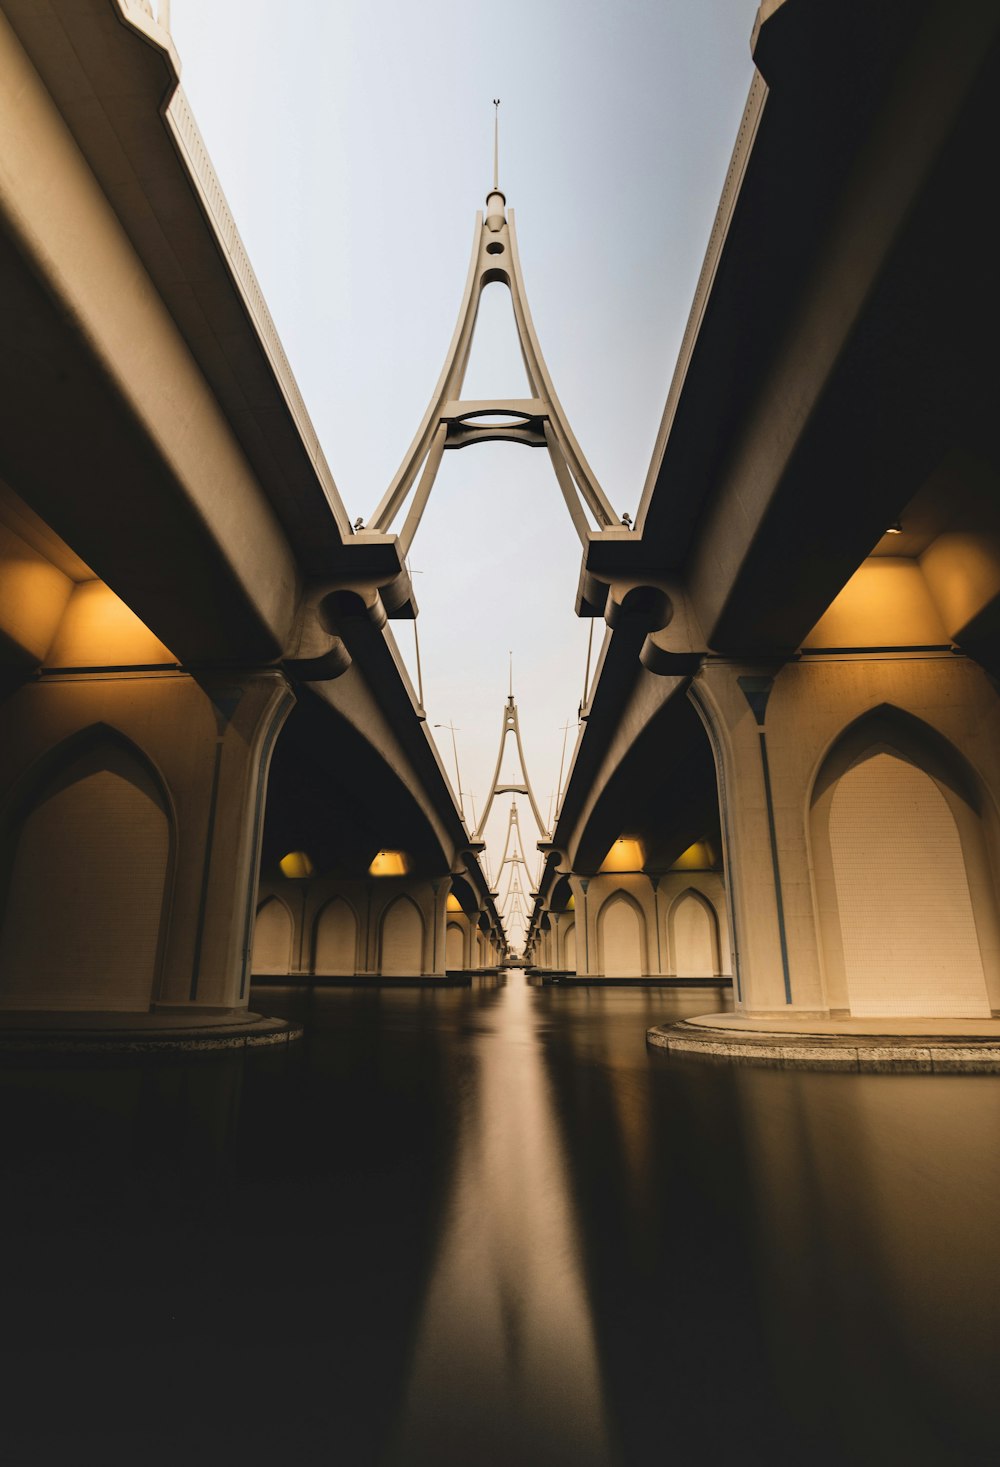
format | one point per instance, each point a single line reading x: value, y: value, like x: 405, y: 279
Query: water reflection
x: 486, y: 1225
x: 505, y: 1368
x: 876, y: 1215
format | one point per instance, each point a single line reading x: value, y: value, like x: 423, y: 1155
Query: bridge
x: 787, y: 768
x: 200, y: 685
x: 787, y: 775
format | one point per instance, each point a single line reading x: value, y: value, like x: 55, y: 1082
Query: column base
x: 161, y: 1031
x: 360, y: 980
x: 650, y: 980
x: 879, y: 1045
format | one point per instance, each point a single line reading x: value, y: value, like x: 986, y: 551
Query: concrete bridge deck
x: 787, y: 761
x: 188, y: 622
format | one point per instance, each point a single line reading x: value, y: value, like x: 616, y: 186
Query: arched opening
x: 272, y: 939
x: 84, y: 909
x: 454, y: 948
x: 336, y: 945
x: 402, y: 940
x: 905, y: 897
x: 561, y: 898
x: 569, y: 948
x: 693, y: 932
x: 619, y: 936
x: 495, y: 367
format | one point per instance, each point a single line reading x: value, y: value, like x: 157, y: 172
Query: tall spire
x: 496, y: 143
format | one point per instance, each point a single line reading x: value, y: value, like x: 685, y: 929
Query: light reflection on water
x: 486, y: 1225
x: 506, y: 1306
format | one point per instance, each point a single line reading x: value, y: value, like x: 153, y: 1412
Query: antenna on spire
x: 496, y: 142
x: 510, y: 687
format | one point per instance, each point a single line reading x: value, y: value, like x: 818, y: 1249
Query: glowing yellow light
x: 389, y: 863
x: 453, y: 904
x: 571, y: 904
x: 296, y: 865
x: 699, y: 857
x: 625, y: 855
x: 98, y: 629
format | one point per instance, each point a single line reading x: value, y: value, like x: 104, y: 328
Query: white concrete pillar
x: 133, y: 804
x: 763, y: 866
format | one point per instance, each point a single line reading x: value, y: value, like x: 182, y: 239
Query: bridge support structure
x: 329, y: 928
x: 855, y: 788
x: 132, y: 802
x: 178, y: 575
x: 632, y: 926
x: 857, y: 872
x: 802, y: 659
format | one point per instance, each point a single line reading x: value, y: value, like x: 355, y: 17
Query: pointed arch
x: 561, y: 898
x: 273, y: 929
x: 904, y: 890
x: 569, y: 948
x: 454, y: 948
x: 335, y: 939
x: 89, y: 837
x: 910, y: 736
x: 401, y: 939
x: 621, y: 936
x: 693, y: 935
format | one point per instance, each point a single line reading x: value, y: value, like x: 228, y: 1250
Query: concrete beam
x: 840, y: 343
x: 114, y: 77
x: 114, y: 435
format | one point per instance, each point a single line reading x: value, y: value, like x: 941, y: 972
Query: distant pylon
x: 450, y: 422
x: 513, y: 833
x: 517, y: 864
x: 511, y: 725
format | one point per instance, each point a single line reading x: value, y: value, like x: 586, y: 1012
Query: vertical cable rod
x: 496, y: 143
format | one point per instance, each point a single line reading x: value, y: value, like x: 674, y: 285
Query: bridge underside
x: 179, y: 606
x: 796, y: 710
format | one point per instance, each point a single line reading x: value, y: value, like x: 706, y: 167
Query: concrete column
x: 657, y: 945
x: 132, y: 806
x: 775, y: 732
x: 434, y: 958
x: 587, y: 960
x: 762, y: 868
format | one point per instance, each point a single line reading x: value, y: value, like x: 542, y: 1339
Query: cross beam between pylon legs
x: 450, y: 423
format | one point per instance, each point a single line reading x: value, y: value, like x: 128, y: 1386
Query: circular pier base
x: 948, y: 1046
x: 154, y: 1033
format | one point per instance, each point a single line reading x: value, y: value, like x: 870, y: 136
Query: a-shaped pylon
x: 451, y: 422
x: 511, y: 725
x: 514, y: 900
x: 515, y: 860
x: 516, y: 907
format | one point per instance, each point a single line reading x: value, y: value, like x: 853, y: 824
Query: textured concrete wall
x: 131, y: 806
x: 941, y: 715
x: 371, y: 927
x: 625, y: 925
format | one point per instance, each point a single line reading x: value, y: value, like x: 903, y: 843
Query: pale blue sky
x: 354, y: 143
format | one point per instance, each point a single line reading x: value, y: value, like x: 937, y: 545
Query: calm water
x: 484, y: 1226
